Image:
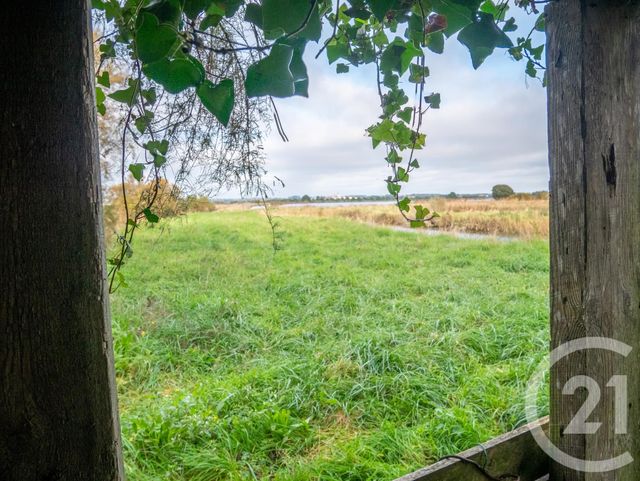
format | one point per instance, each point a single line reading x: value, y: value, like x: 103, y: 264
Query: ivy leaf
x: 337, y: 49
x: 128, y: 95
x: 157, y: 146
x: 418, y: 73
x: 103, y: 79
x: 175, y: 75
x: 149, y: 95
x: 433, y: 100
x: 289, y: 16
x: 380, y: 8
x: 458, y: 15
x: 398, y: 56
x: 137, y: 170
x: 193, y: 8
x: 151, y: 217
x: 405, y: 114
x: 299, y: 71
x: 166, y: 11
x: 253, y: 14
x: 143, y: 121
x: 159, y: 160
x: 361, y: 13
x: 218, y: 99
x: 436, y: 42
x: 393, y: 188
x: 402, y: 175
x: 393, y: 157
x: 154, y: 41
x: 403, y: 205
x: 342, y: 68
x: 210, y: 21
x: 271, y: 75
x: 100, y: 98
x: 510, y: 25
x: 482, y: 37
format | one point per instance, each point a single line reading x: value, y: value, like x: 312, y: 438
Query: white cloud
x: 491, y: 128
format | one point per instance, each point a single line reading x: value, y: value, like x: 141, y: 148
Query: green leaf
x: 433, y: 100
x: 393, y: 188
x: 218, y: 99
x: 100, y: 96
x: 137, y: 170
x: 510, y: 25
x: 289, y: 16
x: 157, y: 146
x: 144, y: 121
x: 421, y: 212
x: 175, y: 75
x: 159, y: 160
x: 210, y: 21
x: 403, y: 205
x: 417, y: 73
x: 103, y: 79
x: 482, y: 37
x: 299, y: 69
x: 380, y: 8
x: 416, y: 223
x: 398, y: 56
x: 401, y: 175
x: 154, y: 41
x: 166, y: 11
x: 149, y: 95
x: 342, y: 68
x: 271, y: 75
x: 405, y: 114
x: 458, y: 16
x: 337, y: 49
x: 354, y: 12
x: 128, y: 95
x: 498, y: 11
x: 436, y: 42
x: 530, y: 70
x: 393, y: 157
x: 151, y: 217
x: 253, y: 14
x: 193, y: 8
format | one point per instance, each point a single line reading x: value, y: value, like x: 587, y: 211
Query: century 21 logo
x: 579, y: 423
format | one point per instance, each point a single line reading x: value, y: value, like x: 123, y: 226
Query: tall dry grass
x: 509, y: 217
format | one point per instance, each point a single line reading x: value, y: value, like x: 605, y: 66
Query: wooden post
x: 593, y: 59
x: 58, y: 410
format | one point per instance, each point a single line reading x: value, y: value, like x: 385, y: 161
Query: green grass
x: 356, y: 353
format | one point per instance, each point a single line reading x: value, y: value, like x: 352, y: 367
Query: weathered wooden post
x: 593, y: 60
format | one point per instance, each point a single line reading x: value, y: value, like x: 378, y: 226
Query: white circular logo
x: 579, y: 423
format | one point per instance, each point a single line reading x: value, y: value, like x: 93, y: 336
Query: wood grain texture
x: 594, y: 157
x: 513, y: 453
x: 58, y: 415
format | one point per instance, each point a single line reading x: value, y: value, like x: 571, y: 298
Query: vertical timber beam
x: 593, y: 61
x: 58, y: 411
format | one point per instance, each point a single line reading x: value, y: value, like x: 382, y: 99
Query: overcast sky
x: 491, y: 128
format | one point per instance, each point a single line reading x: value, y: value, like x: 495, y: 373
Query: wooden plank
x: 514, y: 453
x: 594, y: 147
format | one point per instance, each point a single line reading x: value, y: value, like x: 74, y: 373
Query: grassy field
x: 355, y: 353
x: 527, y: 219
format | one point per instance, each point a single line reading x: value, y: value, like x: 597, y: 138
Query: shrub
x: 501, y: 191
